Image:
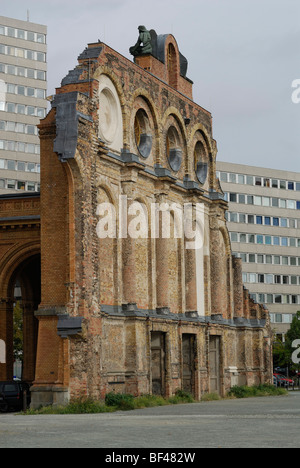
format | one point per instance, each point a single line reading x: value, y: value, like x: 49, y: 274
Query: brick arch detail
x: 10, y: 262
x: 119, y: 89
x: 144, y: 95
x: 173, y: 112
x: 172, y: 61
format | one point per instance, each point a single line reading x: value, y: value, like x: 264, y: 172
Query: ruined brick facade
x: 137, y: 315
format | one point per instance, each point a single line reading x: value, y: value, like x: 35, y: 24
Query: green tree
x: 281, y: 356
x: 18, y: 332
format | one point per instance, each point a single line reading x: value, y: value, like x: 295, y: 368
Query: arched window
x: 172, y: 67
x: 174, y: 151
x: 142, y: 133
x: 200, y: 162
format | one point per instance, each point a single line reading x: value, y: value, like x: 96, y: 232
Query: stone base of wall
x: 49, y: 396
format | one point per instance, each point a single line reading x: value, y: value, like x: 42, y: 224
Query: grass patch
x: 210, y: 397
x: 126, y: 402
x: 256, y: 391
x: 114, y: 402
x: 78, y: 406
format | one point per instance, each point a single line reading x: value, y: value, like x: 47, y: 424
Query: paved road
x: 272, y: 422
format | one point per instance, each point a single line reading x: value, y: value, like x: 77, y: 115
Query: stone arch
x: 142, y: 102
x: 144, y: 94
x: 201, y: 150
x: 11, y: 260
x: 103, y: 70
x: 111, y: 123
x: 227, y: 243
x: 201, y: 128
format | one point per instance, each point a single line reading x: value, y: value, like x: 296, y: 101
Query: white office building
x: 264, y: 225
x: 23, y: 91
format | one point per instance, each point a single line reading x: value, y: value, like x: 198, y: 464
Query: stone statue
x: 145, y: 39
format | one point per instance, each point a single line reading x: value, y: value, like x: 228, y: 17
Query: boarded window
x: 188, y: 363
x: 158, y: 363
x: 214, y: 363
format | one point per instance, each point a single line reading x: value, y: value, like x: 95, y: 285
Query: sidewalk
x: 268, y: 422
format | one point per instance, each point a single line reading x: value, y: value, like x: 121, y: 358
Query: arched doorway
x: 19, y: 328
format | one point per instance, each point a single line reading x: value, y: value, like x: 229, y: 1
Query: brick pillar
x: 218, y: 264
x: 48, y: 386
x: 29, y: 345
x: 162, y: 273
x: 238, y: 291
x: 47, y: 350
x: 190, y: 280
x: 246, y: 303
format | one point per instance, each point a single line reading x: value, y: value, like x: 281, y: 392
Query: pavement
x: 268, y: 422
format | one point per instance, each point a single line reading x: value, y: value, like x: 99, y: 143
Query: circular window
x: 142, y: 133
x: 174, y: 152
x: 200, y: 161
x: 108, y: 115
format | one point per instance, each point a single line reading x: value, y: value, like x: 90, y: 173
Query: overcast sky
x: 243, y: 57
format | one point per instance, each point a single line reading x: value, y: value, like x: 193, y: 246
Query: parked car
x: 278, y: 381
x: 283, y: 381
x: 11, y: 395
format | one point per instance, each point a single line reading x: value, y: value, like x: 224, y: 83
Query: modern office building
x: 23, y: 88
x: 264, y: 225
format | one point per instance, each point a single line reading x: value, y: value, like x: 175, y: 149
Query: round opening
x: 108, y: 115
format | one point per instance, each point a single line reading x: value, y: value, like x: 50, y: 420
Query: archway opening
x: 24, y: 299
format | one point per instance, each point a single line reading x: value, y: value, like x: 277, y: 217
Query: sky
x: 243, y: 55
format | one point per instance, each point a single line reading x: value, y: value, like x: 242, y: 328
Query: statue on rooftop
x: 145, y: 39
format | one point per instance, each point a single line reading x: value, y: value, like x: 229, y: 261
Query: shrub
x: 210, y: 397
x: 149, y: 401
x: 122, y: 401
x: 76, y: 406
x: 256, y: 391
x: 184, y: 396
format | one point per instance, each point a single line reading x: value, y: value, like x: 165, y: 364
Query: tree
x: 281, y: 356
x: 18, y: 332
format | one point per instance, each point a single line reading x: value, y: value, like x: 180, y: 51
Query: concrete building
x: 23, y: 87
x: 264, y: 223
